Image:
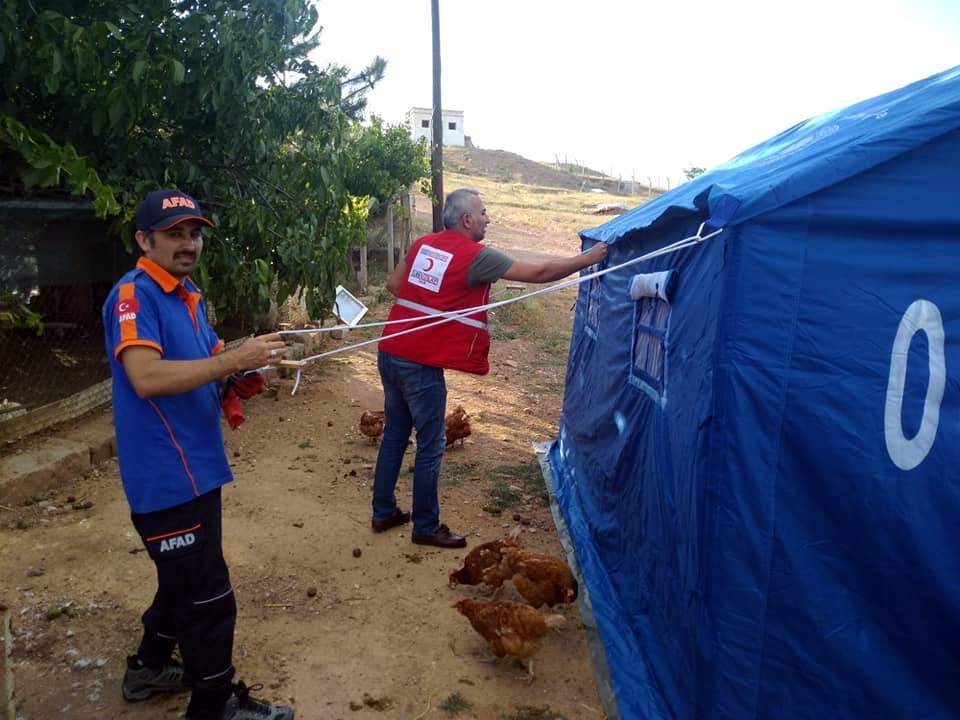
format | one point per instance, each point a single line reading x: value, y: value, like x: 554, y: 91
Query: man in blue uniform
x: 167, y: 368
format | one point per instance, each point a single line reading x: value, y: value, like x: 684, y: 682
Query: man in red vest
x: 443, y: 272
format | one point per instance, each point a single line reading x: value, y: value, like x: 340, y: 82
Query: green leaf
x: 263, y: 272
x: 116, y: 111
x: 179, y: 72
x: 41, y: 177
x: 138, y: 69
x: 51, y: 83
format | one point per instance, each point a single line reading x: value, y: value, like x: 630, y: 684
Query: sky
x: 632, y: 87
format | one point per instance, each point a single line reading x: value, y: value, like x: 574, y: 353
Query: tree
x: 217, y: 97
x: 693, y: 171
x: 382, y: 160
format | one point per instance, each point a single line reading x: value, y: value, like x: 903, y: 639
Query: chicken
x: 540, y: 579
x: 509, y: 628
x: 479, y: 560
x: 371, y: 424
x: 458, y: 426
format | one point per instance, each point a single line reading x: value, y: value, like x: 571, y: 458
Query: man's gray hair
x: 457, y: 205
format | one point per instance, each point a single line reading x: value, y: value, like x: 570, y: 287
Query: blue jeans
x: 414, y: 396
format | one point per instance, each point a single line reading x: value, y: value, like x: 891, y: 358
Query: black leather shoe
x: 399, y: 518
x: 442, y: 538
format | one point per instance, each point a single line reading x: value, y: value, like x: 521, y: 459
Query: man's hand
x: 598, y: 253
x: 555, y: 268
x: 257, y: 352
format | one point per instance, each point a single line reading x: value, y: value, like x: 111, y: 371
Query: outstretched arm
x: 556, y: 268
x: 151, y: 375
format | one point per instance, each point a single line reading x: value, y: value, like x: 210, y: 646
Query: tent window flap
x: 651, y: 323
x: 593, y: 302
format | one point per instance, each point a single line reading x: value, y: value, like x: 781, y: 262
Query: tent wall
x: 630, y: 472
x: 776, y: 539
x: 836, y: 590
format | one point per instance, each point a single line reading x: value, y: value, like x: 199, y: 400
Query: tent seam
x: 776, y: 462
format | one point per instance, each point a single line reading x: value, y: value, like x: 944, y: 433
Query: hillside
x: 504, y: 166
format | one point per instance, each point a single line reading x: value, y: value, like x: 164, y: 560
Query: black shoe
x: 140, y: 683
x: 442, y: 538
x: 399, y: 518
x: 243, y: 707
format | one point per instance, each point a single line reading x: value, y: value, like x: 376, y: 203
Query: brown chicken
x: 540, y: 579
x: 479, y: 560
x: 458, y: 426
x: 509, y: 628
x: 371, y: 424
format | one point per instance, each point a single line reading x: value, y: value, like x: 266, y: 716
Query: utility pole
x: 436, y: 156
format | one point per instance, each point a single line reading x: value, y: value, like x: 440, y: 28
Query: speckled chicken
x: 458, y: 426
x: 371, y: 424
x: 540, y: 579
x: 509, y: 628
x: 479, y: 560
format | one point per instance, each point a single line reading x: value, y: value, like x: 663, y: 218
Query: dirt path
x: 337, y: 632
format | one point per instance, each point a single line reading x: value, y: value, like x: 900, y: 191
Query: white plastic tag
x: 428, y: 268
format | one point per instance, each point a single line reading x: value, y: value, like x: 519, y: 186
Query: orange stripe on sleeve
x: 136, y: 343
x: 218, y: 347
x: 128, y: 328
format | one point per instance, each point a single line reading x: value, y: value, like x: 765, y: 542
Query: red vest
x: 437, y: 267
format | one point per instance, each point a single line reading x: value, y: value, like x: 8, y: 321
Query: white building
x: 420, y: 121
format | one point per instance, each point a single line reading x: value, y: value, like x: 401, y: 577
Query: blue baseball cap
x: 162, y: 209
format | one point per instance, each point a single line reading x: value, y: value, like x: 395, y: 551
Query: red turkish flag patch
x: 128, y: 309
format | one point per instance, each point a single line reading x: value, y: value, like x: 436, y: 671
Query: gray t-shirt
x: 487, y: 267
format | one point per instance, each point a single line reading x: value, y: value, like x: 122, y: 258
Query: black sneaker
x: 243, y: 707
x: 141, y: 682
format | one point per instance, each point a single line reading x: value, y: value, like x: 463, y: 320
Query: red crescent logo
x: 429, y: 266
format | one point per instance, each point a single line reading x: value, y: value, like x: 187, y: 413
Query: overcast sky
x: 633, y: 86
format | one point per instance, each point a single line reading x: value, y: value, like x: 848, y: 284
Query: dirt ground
x: 335, y: 620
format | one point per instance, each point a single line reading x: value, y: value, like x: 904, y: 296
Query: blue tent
x: 759, y: 453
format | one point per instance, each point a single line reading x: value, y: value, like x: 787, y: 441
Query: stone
x: 52, y: 463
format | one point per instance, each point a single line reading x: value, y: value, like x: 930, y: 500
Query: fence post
x: 391, y: 260
x: 413, y: 211
x: 407, y: 227
x: 362, y: 273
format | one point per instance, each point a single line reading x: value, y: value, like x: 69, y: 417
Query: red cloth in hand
x: 232, y: 410
x: 247, y: 386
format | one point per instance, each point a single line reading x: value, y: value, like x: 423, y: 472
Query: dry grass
x: 546, y: 319
x: 552, y: 209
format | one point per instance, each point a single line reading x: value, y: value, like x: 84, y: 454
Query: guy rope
x: 451, y: 316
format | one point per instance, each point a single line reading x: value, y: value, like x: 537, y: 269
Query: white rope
x: 451, y: 316
x: 454, y: 314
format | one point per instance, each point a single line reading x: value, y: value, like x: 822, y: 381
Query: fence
x: 57, y: 262
x: 394, y: 237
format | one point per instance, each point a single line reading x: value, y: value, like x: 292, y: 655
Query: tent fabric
x: 764, y: 513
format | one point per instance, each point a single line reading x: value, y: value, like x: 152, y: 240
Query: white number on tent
x: 908, y: 453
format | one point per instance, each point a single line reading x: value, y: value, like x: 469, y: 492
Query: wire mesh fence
x: 57, y: 265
